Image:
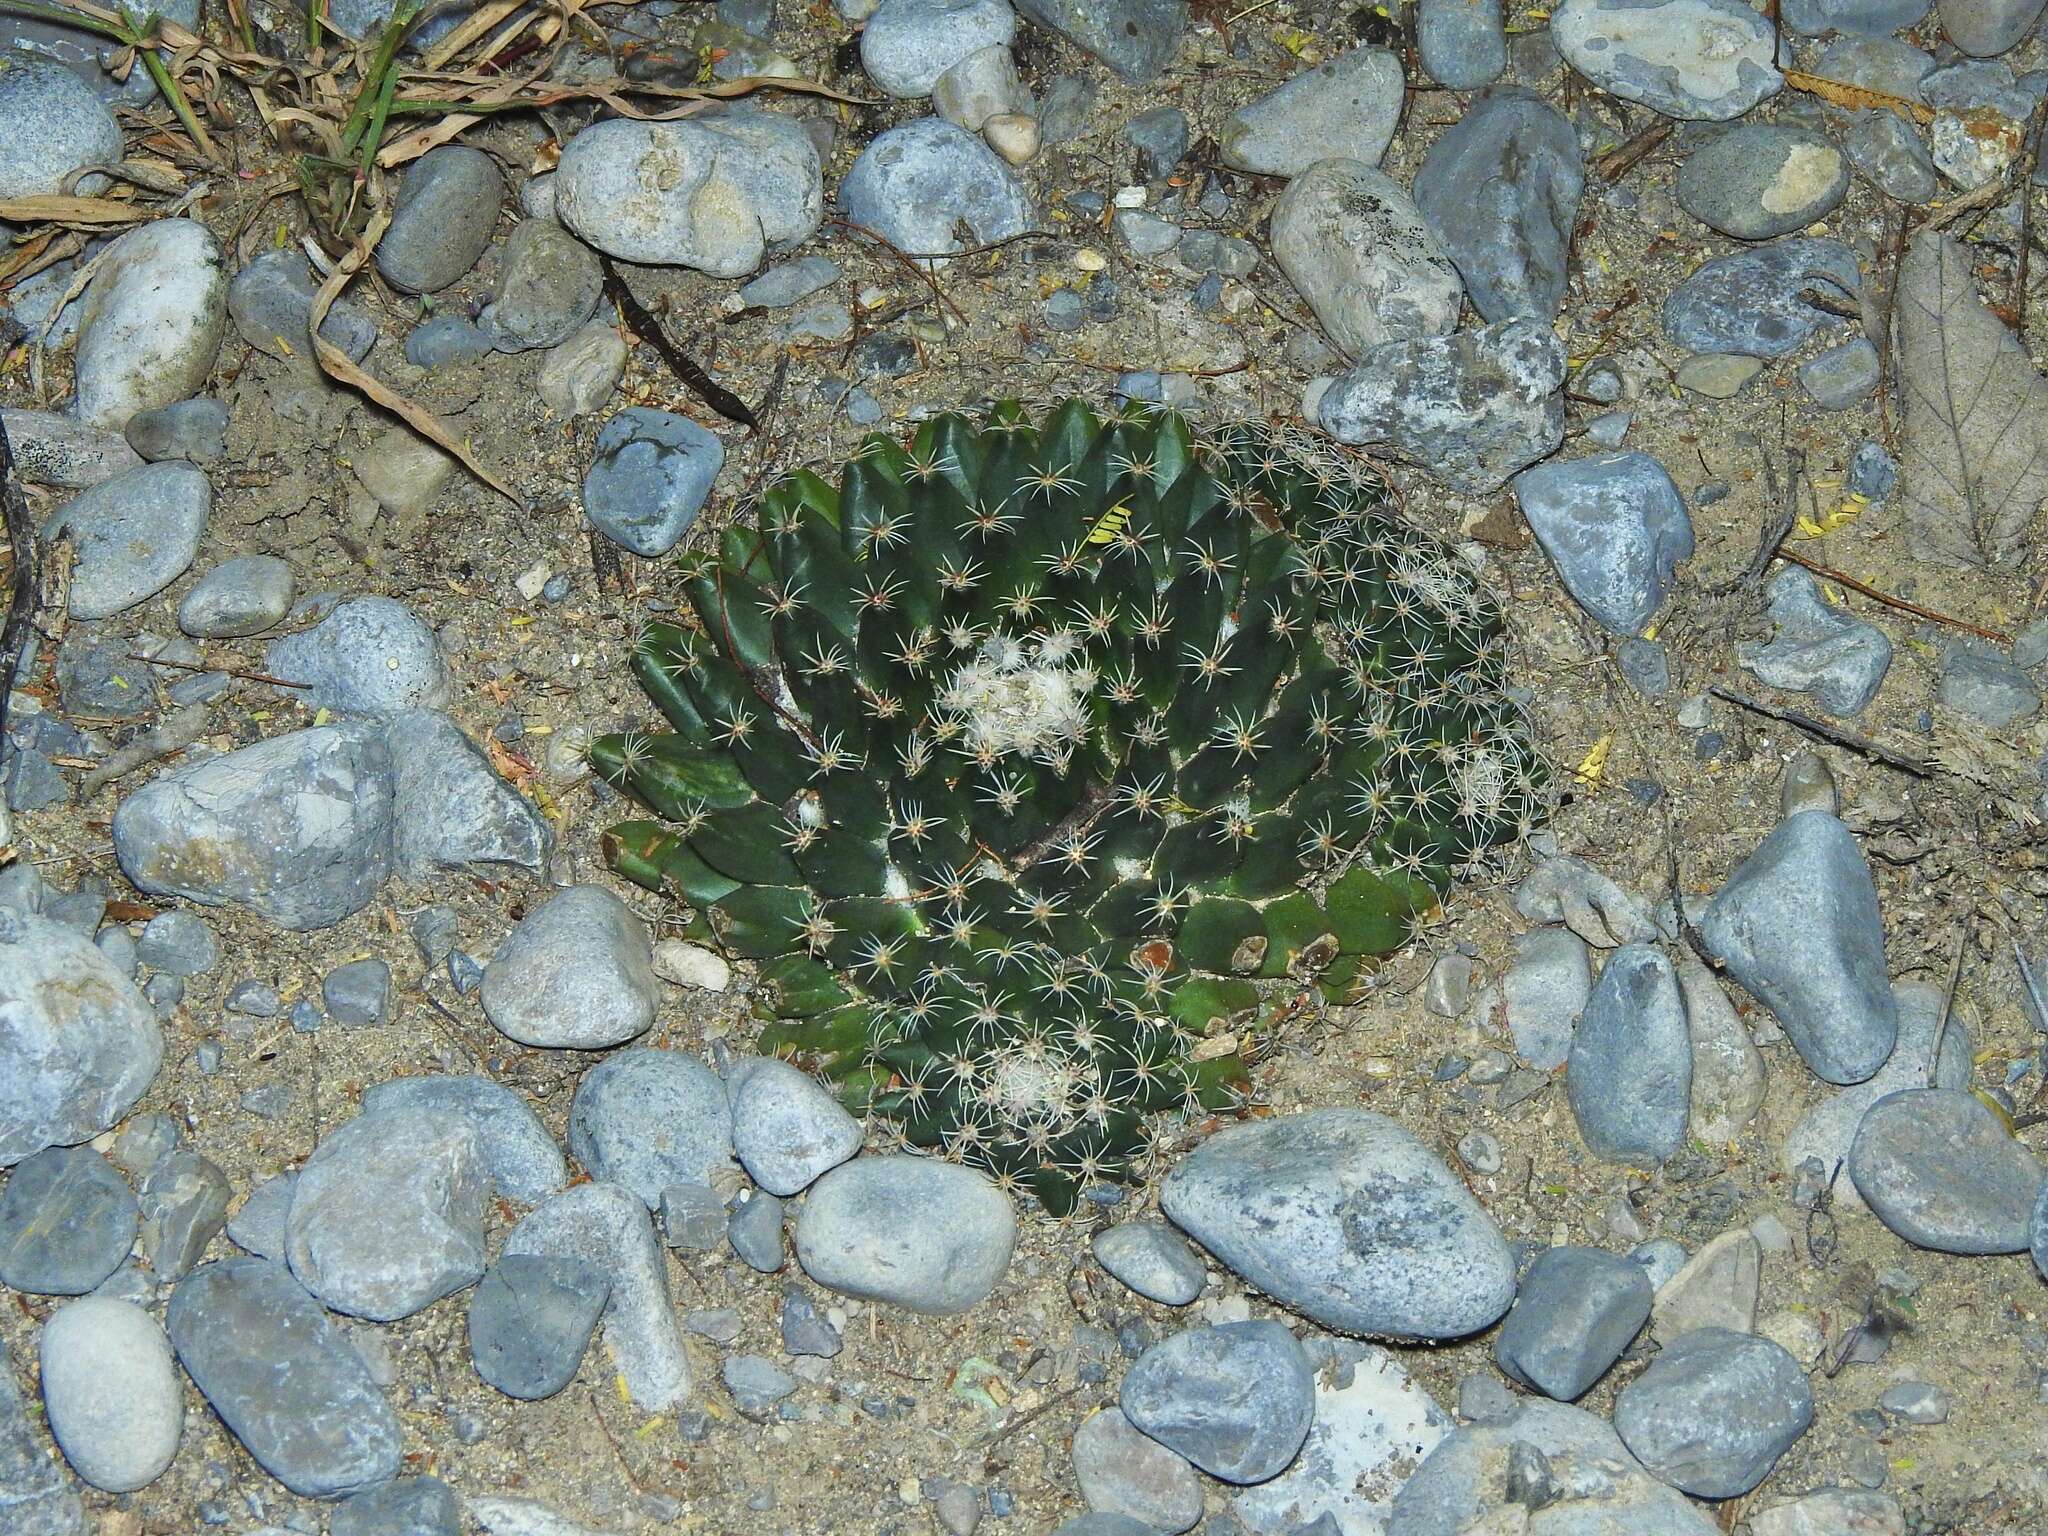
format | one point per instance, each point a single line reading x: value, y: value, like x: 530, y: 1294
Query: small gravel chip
x: 756, y: 1383
x: 692, y: 1217
x: 1153, y: 1260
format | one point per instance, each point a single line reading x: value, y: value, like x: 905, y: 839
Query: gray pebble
x: 720, y: 1325
x: 1544, y: 991
x: 908, y: 44
x: 916, y: 182
x: 1753, y: 301
x: 258, y: 1227
x: 1344, y: 108
x: 1818, y: 648
x: 1715, y: 1411
x: 444, y: 341
x: 577, y: 973
x: 755, y: 1232
x: 1122, y: 1471
x: 757, y: 1384
x: 271, y: 303
x: 98, y: 677
x: 1892, y: 156
x: 548, y: 285
x: 1942, y: 1171
x: 805, y: 1331
x: 1152, y: 1259
x: 1646, y: 665
x: 370, y: 656
x: 162, y: 282
x: 519, y: 1156
x: 66, y: 1222
x: 132, y: 535
x: 1758, y: 180
x: 1615, y: 527
x: 1480, y: 1152
x: 1235, y: 1400
x: 693, y: 1217
x: 1987, y: 28
x: 243, y: 595
x: 1689, y: 59
x: 442, y: 218
x: 1629, y: 1075
x: 57, y: 126
x: 1462, y: 44
x: 788, y: 1129
x: 410, y: 1506
x: 1987, y: 688
x: 649, y: 477
x: 1718, y: 376
x: 531, y: 1319
x: 1465, y: 1473
x: 1136, y: 38
x: 1063, y: 114
x: 644, y: 1119
x: 1576, y: 1311
x: 114, y: 1397
x: 1915, y: 1402
x: 1160, y: 139
x: 1842, y: 377
x: 359, y: 993
x: 927, y: 1235
x: 193, y: 429
x: 178, y: 943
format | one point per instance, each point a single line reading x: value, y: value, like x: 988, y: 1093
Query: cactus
x: 1031, y: 763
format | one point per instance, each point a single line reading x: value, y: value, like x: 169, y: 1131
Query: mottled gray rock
x: 296, y: 828
x: 1136, y: 38
x: 714, y: 193
x: 1568, y: 890
x: 1344, y: 1216
x: 241, y: 596
x: 52, y: 448
x: 1943, y: 1172
x: 1892, y: 157
x: 115, y: 1400
x: 1124, y: 1472
x: 283, y: 1378
x: 609, y: 1227
x: 1472, y: 408
x: 271, y: 303
x: 1235, y: 1400
x: 519, y: 1156
x: 152, y: 323
x: 369, y: 656
x: 1753, y: 302
x: 1714, y: 1288
x: 409, y: 1506
x: 358, y: 994
x: 1987, y: 28
x: 931, y: 1236
x: 1468, y: 1471
x: 548, y: 285
x: 1615, y: 526
x: 193, y: 429
x: 1345, y: 108
x: 1160, y: 138
x: 1715, y: 1411
x: 184, y: 1204
x: 66, y: 1223
x: 530, y: 1322
x: 1727, y: 1069
x: 1832, y: 1512
x: 1576, y: 1310
x: 1462, y: 43
x: 78, y: 1044
x: 1152, y: 1259
x: 1818, y: 648
x: 1500, y: 190
x: 787, y: 1128
x: 908, y: 44
x: 259, y: 1226
x: 56, y: 126
x: 452, y: 811
x: 644, y: 1119
x: 693, y: 1217
x: 576, y: 973
x: 1629, y: 1075
x: 1689, y: 59
x: 1988, y: 688
x: 916, y: 183
x: 1842, y: 377
x: 1759, y: 180
x: 1877, y: 18
x: 789, y: 283
x: 1544, y: 992
x: 1797, y: 924
x: 756, y: 1383
x: 37, y: 1496
x: 133, y: 535
x: 441, y: 220
x: 648, y: 478
x: 578, y: 377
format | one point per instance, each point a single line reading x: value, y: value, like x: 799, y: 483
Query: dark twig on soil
x: 200, y: 666
x: 21, y: 599
x: 1624, y: 157
x: 1948, y: 1003
x: 1826, y: 732
x: 1900, y: 603
x: 1004, y: 1431
x: 2028, y: 161
x: 685, y: 368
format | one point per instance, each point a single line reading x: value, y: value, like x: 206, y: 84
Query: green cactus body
x: 1031, y: 761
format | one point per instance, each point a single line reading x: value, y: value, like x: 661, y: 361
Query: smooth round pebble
x: 1153, y: 1260
x: 1760, y: 180
x: 115, y: 1399
x: 1124, y: 1472
x: 441, y: 222
x: 55, y: 125
x: 649, y: 477
x: 1942, y: 1171
x: 244, y: 595
x: 530, y: 1320
x: 577, y: 973
x: 915, y: 183
x: 908, y: 44
x: 931, y: 1236
x: 787, y: 1128
x: 645, y: 1119
x: 1715, y: 1411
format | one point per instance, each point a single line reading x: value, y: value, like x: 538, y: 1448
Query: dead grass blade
x: 82, y: 212
x: 1857, y: 97
x: 341, y: 367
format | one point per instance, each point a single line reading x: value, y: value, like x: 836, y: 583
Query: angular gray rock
x: 1818, y: 648
x: 649, y: 476
x: 1500, y: 190
x: 577, y: 973
x: 152, y: 323
x: 283, y: 1378
x: 1122, y: 1472
x: 1544, y: 992
x: 1689, y: 59
x: 258, y: 1227
x: 1629, y: 1074
x: 931, y: 1236
x: 241, y: 596
x: 368, y: 656
x: 1472, y: 408
x: 1943, y: 1172
x: 452, y: 812
x: 271, y: 304
x: 788, y: 1129
x: 549, y: 284
x: 1754, y: 302
x: 519, y: 1156
x: 1236, y: 1400
x: 1797, y: 924
x: 644, y: 1119
x: 1136, y: 38
x: 608, y: 1226
x: 66, y: 1222
x: 52, y: 448
x: 1345, y: 107
x: 184, y: 1204
x: 1715, y: 1411
x: 133, y: 535
x: 1615, y: 527
x: 296, y: 828
x: 78, y: 1043
x: 1577, y: 1309
x: 1346, y: 1217
x: 1468, y: 1471
x: 530, y: 1321
x: 1568, y: 890
x: 917, y: 182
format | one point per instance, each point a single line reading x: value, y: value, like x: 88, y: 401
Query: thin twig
x: 1624, y: 157
x: 2028, y: 162
x: 1900, y: 603
x: 200, y: 666
x: 1948, y: 1003
x: 681, y: 364
x: 21, y: 599
x: 1826, y: 732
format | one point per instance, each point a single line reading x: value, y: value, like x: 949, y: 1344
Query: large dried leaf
x: 1975, y: 441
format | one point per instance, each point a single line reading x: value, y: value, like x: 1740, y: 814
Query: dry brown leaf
x: 54, y: 208
x: 341, y: 366
x: 1843, y: 94
x: 1974, y: 441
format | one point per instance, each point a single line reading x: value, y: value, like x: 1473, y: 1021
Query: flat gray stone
x: 1544, y: 991
x: 931, y: 1236
x: 1615, y: 527
x: 133, y: 535
x: 1942, y: 1171
x: 917, y: 182
x: 184, y: 1203
x: 271, y: 304
x: 57, y: 126
x: 1689, y: 59
x: 549, y: 284
x: 1153, y: 1260
x: 452, y: 812
x: 1715, y: 1411
x: 441, y: 220
x: 1124, y: 1472
x: 1345, y: 107
x: 1235, y: 1400
x: 1136, y: 38
x: 530, y: 1321
x: 649, y: 477
x: 519, y: 1156
x: 908, y: 44
x: 1759, y: 180
x: 53, y: 448
x: 66, y: 1222
x: 1576, y: 1310
x: 1629, y: 1074
x: 241, y: 596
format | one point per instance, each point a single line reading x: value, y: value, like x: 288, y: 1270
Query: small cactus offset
x: 1030, y: 760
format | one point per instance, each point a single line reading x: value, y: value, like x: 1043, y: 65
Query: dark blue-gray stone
x: 1646, y: 664
x: 1875, y: 17
x: 358, y: 993
x: 38, y: 1496
x: 1798, y: 925
x: 1715, y: 1411
x: 1629, y: 1074
x: 757, y: 1384
x: 1462, y: 43
x: 283, y: 1378
x: 271, y: 303
x: 530, y: 1321
x: 755, y: 1232
x: 1752, y: 302
x: 805, y: 1330
x: 440, y: 341
x: 1943, y: 1172
x: 1758, y: 180
x: 1843, y: 376
x: 178, y: 943
x: 1236, y: 1400
x: 1988, y: 688
x: 1160, y: 138
x: 1575, y: 1312
x: 1136, y: 38
x: 411, y: 1506
x: 649, y: 478
x: 66, y: 1222
x: 441, y: 222
x: 1615, y: 527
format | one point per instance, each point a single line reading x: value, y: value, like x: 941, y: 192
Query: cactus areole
x: 1040, y: 766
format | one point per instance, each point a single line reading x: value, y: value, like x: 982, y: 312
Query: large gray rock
x: 918, y: 182
x: 115, y: 1400
x: 369, y: 656
x: 1987, y: 28
x: 1754, y: 303
x: 1354, y: 245
x: 1615, y: 527
x: 519, y: 1156
x: 153, y: 318
x: 1576, y: 1311
x: 1500, y: 190
x: 133, y: 534
x: 78, y: 1043
x: 714, y: 193
x: 1236, y: 1400
x: 1689, y: 59
x: 66, y: 1222
x: 1346, y: 1217
x: 296, y: 828
x: 283, y: 1378
x: 52, y: 448
x: 1344, y: 108
x: 56, y: 126
x: 1798, y: 925
x: 441, y: 219
x: 387, y: 1216
x: 607, y: 1226
x: 1629, y: 1075
x: 1136, y: 38
x: 919, y: 1233
x: 1715, y: 1411
x: 645, y: 1119
x: 1472, y: 408
x: 1758, y: 180
x: 452, y: 811
x: 908, y: 44
x: 577, y: 973
x: 1942, y: 1171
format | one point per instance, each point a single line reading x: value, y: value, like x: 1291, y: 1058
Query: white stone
x: 153, y: 319
x: 115, y: 1399
x: 691, y: 965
